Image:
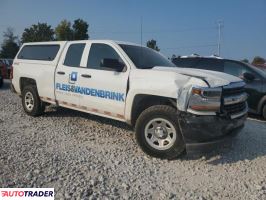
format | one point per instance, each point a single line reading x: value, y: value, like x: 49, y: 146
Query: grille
x: 233, y: 91
x: 235, y: 108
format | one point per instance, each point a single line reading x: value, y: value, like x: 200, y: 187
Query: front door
x: 104, y: 89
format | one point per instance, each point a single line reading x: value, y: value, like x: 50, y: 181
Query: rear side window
x: 200, y: 63
x: 39, y: 52
x: 74, y: 54
x: 185, y: 62
x: 210, y: 64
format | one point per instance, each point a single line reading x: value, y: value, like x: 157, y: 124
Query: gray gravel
x: 88, y: 157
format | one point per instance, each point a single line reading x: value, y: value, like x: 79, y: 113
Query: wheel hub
x: 160, y: 133
x: 29, y: 101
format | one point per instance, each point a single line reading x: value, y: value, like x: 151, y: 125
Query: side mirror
x: 248, y: 76
x: 113, y: 64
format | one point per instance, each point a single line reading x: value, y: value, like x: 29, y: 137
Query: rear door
x: 67, y: 75
x: 104, y: 89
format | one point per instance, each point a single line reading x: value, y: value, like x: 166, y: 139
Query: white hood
x: 214, y: 79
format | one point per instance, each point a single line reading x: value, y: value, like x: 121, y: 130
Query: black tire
x: 164, y: 112
x: 264, y: 111
x: 1, y: 82
x: 38, y: 106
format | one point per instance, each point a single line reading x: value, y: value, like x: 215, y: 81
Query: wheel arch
x: 25, y: 81
x: 144, y: 101
x: 262, y: 102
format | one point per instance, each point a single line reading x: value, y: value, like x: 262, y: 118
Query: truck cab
x: 169, y: 108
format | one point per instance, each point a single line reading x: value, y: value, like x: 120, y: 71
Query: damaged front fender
x: 184, y: 91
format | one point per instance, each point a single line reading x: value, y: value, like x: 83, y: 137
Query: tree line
x: 65, y: 30
x: 40, y: 32
x: 43, y: 32
x: 257, y: 60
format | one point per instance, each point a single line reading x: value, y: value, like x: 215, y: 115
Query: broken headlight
x: 205, y: 99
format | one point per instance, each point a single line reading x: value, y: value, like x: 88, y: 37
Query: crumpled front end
x: 201, y: 99
x: 208, y: 129
x: 211, y: 114
x: 184, y: 91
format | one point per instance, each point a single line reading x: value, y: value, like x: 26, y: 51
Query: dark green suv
x: 255, y: 78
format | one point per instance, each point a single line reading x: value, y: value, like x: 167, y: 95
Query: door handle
x: 86, y: 75
x: 61, y: 73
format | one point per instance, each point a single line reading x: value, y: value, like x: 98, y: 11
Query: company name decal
x: 27, y: 193
x: 91, y: 92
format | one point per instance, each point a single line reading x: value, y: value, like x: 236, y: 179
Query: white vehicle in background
x: 170, y: 108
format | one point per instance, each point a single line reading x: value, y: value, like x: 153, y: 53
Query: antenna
x: 141, y: 30
x: 220, y: 26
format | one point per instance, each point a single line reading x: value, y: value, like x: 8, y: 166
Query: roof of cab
x: 63, y: 42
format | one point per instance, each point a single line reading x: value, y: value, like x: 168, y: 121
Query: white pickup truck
x: 170, y: 108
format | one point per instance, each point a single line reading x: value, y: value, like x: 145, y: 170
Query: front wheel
x: 158, y: 133
x: 31, y: 102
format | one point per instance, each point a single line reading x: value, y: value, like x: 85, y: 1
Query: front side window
x: 145, y: 58
x: 39, y: 52
x: 74, y: 54
x: 100, y: 52
x: 235, y: 69
x: 257, y: 71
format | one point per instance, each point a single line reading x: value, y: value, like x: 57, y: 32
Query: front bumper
x: 203, y: 130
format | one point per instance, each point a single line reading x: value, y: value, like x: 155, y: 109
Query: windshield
x: 145, y: 58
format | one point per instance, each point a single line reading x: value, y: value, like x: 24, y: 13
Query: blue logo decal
x: 117, y: 96
x: 73, y: 77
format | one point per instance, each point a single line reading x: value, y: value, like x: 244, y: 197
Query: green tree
x: 245, y: 60
x: 80, y: 30
x: 38, y: 33
x: 258, y: 60
x: 10, y: 47
x: 63, y: 31
x: 152, y: 44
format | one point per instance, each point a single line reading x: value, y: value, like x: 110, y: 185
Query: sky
x: 180, y: 27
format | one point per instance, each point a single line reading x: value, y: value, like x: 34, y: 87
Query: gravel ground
x: 88, y: 157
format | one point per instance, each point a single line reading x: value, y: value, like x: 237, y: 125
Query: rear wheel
x: 264, y: 111
x: 31, y: 102
x: 1, y: 82
x: 158, y: 133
